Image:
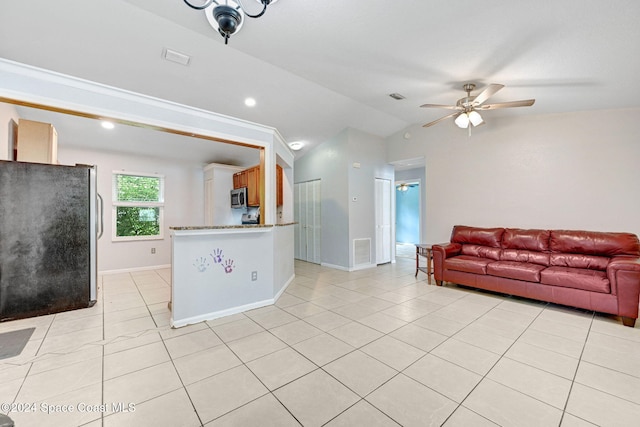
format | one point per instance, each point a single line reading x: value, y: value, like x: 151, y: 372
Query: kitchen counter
x: 222, y: 270
x: 226, y: 227
x: 220, y: 227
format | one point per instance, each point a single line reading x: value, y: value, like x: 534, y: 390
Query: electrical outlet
x: 153, y: 250
x: 254, y: 276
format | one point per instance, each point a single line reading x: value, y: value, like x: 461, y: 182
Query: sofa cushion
x: 594, y: 243
x: 592, y: 262
x: 467, y: 264
x: 577, y: 278
x: 516, y: 270
x: 517, y: 255
x: 477, y: 236
x: 481, y: 251
x: 530, y: 240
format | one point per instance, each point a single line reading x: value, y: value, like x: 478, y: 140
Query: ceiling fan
x: 467, y: 108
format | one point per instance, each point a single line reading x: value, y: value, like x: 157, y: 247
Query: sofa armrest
x: 624, y: 275
x: 442, y: 252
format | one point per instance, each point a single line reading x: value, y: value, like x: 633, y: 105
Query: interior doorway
x: 408, y: 202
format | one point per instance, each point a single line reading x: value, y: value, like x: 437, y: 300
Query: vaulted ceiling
x: 316, y: 67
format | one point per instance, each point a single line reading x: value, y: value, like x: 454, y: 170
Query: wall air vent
x: 175, y: 56
x: 361, y: 252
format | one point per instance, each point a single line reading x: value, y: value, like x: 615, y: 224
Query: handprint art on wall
x: 228, y: 266
x: 201, y: 264
x: 217, y: 256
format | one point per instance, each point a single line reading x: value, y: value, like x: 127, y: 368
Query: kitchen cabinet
x: 37, y: 142
x: 240, y: 179
x: 279, y: 194
x: 250, y: 178
x: 253, y: 186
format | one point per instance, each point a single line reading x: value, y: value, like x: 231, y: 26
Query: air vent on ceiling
x: 175, y: 56
x: 396, y: 96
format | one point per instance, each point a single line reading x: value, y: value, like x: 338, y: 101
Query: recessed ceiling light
x: 296, y: 145
x: 397, y: 96
x: 250, y: 102
x: 107, y: 125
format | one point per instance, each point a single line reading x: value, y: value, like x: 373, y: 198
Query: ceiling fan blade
x: 449, y: 107
x: 523, y: 103
x: 439, y: 120
x: 487, y: 93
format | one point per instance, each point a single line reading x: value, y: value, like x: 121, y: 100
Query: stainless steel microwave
x: 239, y: 198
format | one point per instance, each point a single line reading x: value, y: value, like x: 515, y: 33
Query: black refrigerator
x: 50, y: 220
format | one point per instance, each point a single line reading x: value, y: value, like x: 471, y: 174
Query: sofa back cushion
x: 592, y: 262
x: 529, y: 240
x: 477, y: 236
x: 594, y: 243
x: 533, y: 257
x: 481, y: 251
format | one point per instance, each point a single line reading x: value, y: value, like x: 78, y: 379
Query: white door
x: 307, y: 215
x: 313, y: 221
x: 383, y: 220
x: 297, y: 228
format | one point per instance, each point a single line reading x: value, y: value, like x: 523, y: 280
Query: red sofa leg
x: 439, y: 282
x: 628, y: 321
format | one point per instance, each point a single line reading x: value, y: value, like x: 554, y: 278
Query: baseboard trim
x: 134, y: 269
x: 339, y: 267
x: 222, y: 313
x: 284, y: 288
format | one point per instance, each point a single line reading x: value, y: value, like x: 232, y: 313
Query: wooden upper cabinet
x: 250, y: 178
x: 37, y: 142
x: 253, y: 186
x: 279, y: 194
x: 240, y: 180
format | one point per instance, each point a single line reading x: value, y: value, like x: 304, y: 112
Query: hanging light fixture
x: 226, y: 16
x: 473, y: 117
x: 403, y: 187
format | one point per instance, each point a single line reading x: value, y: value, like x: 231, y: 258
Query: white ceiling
x: 316, y: 67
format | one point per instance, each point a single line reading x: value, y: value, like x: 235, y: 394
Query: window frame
x: 115, y: 203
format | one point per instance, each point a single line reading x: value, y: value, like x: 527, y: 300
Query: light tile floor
x: 375, y: 347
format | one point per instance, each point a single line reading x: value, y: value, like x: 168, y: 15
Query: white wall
x: 184, y: 204
x: 8, y: 116
x: 575, y: 171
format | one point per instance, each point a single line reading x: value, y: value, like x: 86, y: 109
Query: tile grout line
x: 490, y: 369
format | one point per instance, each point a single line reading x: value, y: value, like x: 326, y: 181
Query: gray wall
x: 343, y: 219
x: 370, y: 152
x: 328, y: 162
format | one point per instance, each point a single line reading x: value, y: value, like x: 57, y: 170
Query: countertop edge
x: 228, y: 227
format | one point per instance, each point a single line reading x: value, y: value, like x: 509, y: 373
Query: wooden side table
x: 424, y: 250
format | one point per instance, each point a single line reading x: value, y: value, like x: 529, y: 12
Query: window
x: 138, y: 203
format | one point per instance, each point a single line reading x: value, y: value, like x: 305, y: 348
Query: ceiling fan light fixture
x: 462, y: 121
x: 475, y: 118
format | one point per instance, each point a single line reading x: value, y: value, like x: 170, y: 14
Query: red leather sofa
x: 586, y: 269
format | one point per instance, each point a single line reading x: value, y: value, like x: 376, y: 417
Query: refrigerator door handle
x: 101, y: 215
